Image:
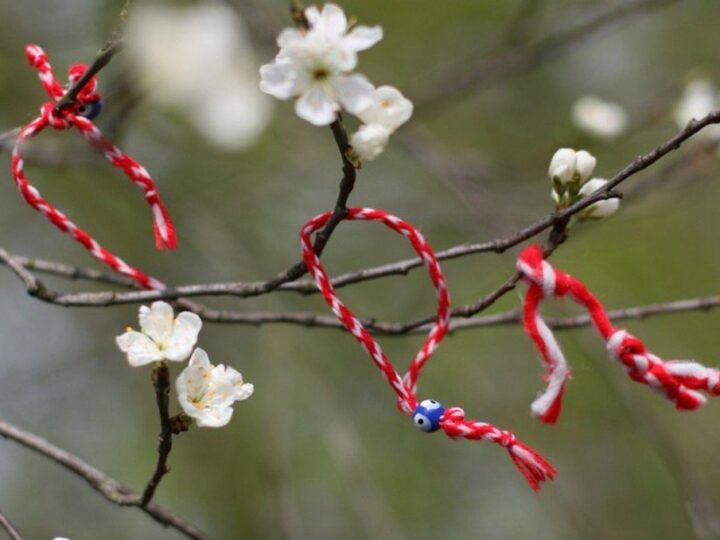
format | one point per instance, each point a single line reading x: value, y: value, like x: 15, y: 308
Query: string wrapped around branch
x: 428, y: 415
x: 680, y: 381
x: 79, y: 114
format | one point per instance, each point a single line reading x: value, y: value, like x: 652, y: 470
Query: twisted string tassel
x: 429, y: 415
x: 79, y: 115
x: 529, y: 462
x: 678, y: 381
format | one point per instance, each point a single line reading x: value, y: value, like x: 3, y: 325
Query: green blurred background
x: 319, y: 451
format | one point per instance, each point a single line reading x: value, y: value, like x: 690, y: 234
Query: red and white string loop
x: 452, y: 421
x: 679, y: 381
x: 70, y: 117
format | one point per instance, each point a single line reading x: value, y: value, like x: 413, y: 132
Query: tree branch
x: 9, y: 528
x: 347, y: 184
x: 283, y: 282
x: 161, y: 383
x: 109, y: 488
x: 102, y: 58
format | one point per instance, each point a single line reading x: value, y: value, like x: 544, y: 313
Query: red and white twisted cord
x: 69, y: 117
x: 680, y: 381
x: 452, y: 421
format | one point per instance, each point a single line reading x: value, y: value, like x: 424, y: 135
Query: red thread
x: 528, y: 461
x: 678, y: 380
x: 69, y: 117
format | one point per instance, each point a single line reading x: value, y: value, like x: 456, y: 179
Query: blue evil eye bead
x: 427, y: 415
x: 90, y: 110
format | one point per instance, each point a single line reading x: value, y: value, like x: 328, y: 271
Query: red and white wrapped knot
x: 680, y: 381
x: 78, y: 115
x: 428, y: 415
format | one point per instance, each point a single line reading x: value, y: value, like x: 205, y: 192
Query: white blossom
x: 200, y: 60
x: 598, y: 117
x: 600, y: 209
x: 369, y: 141
x: 161, y: 336
x: 568, y: 166
x: 699, y: 98
x: 207, y: 392
x: 386, y: 111
x: 387, y: 108
x: 315, y: 66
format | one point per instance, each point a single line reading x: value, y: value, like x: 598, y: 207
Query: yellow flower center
x: 320, y: 74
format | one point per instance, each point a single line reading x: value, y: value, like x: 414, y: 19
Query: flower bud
x: 562, y: 165
x: 600, y: 209
x: 369, y: 141
x: 568, y: 166
x: 584, y: 165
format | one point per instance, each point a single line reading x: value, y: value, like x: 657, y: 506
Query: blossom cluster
x: 315, y: 67
x: 570, y: 172
x: 206, y: 392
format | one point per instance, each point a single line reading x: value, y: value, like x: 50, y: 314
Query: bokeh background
x: 319, y: 451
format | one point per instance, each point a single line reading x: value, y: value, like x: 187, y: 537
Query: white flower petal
x: 370, y: 141
x: 361, y: 38
x: 600, y: 209
x: 333, y: 21
x: 140, y: 349
x: 312, y: 14
x: 289, y: 37
x: 200, y: 359
x: 184, y: 336
x: 244, y: 391
x: 213, y: 417
x: 279, y: 79
x: 562, y: 165
x: 316, y: 107
x: 157, y: 321
x: 354, y: 92
x: 592, y: 186
x: 584, y: 165
x: 338, y: 59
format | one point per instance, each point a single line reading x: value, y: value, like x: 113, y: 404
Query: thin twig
x: 161, y: 384
x: 7, y: 526
x: 73, y: 273
x: 102, y: 58
x: 108, y: 487
x: 500, y: 245
x: 347, y: 184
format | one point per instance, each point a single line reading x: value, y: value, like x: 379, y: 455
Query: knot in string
x: 507, y: 439
x: 79, y: 112
x: 64, y: 119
